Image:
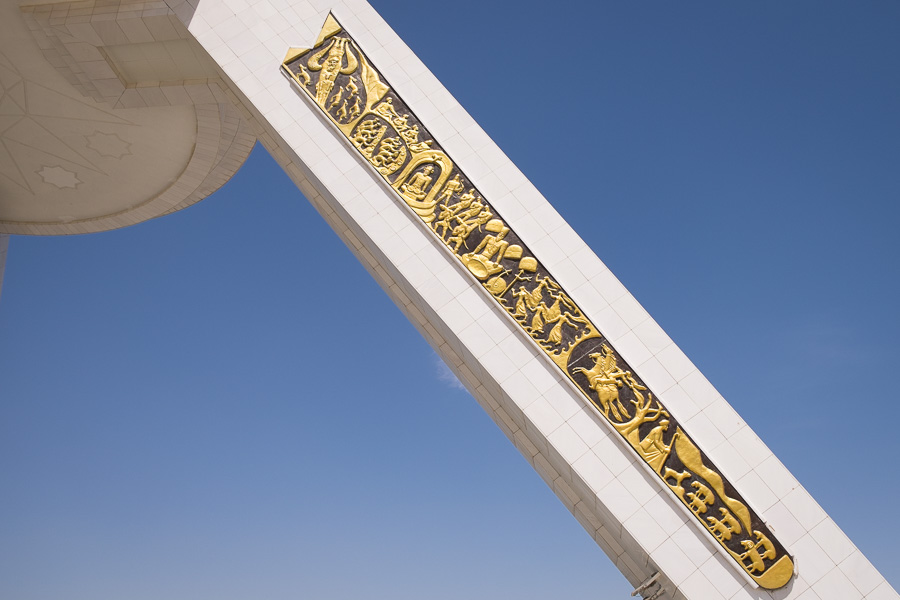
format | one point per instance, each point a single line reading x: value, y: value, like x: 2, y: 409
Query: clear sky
x: 222, y: 403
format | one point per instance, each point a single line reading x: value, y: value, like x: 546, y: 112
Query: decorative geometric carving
x: 29, y: 123
x: 59, y: 177
x: 339, y: 79
x: 109, y: 145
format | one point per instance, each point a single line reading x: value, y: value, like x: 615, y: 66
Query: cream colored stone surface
x: 92, y: 140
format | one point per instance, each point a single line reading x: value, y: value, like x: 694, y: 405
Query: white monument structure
x: 118, y: 111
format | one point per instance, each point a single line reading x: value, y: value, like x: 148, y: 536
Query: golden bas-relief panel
x: 340, y: 80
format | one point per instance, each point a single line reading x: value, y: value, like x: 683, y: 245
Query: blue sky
x: 223, y: 404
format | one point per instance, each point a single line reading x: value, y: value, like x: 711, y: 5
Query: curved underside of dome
x: 107, y: 122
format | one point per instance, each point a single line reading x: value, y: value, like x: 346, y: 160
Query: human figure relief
x: 534, y: 298
x: 605, y: 378
x: 420, y: 146
x: 448, y: 213
x: 387, y: 151
x: 467, y: 225
x: 401, y: 124
x: 471, y: 213
x: 414, y: 189
x: 520, y: 295
x: 466, y: 199
x: 484, y: 261
x: 410, y: 134
x: 537, y: 320
x: 564, y: 318
x: 458, y: 236
x: 452, y: 186
x: 367, y: 136
x: 551, y: 314
x: 653, y: 448
x: 444, y: 220
x: 330, y: 66
x: 386, y: 110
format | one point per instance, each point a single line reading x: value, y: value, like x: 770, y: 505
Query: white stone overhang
x: 110, y: 114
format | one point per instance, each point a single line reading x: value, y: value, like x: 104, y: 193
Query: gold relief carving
x: 653, y: 449
x: 337, y: 77
x: 420, y: 180
x: 480, y: 261
x: 367, y: 136
x: 331, y: 66
x: 698, y: 502
x: 678, y: 477
x: 756, y: 551
x: 724, y: 527
x: 390, y: 156
x: 605, y: 378
x: 415, y: 189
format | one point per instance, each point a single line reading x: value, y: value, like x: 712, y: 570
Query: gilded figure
x: 453, y: 186
x: 699, y: 500
x: 678, y: 477
x: 756, y: 552
x: 605, y: 378
x: 391, y: 154
x: 386, y: 110
x: 331, y: 66
x: 520, y: 295
x: 336, y: 98
x: 726, y: 526
x: 341, y: 113
x: 352, y: 89
x: 467, y: 225
x: 367, y: 136
x: 555, y: 337
x: 414, y: 189
x: 354, y: 110
x: 484, y: 261
x: 653, y: 448
x: 304, y: 75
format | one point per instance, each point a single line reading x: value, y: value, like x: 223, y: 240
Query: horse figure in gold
x: 605, y: 378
